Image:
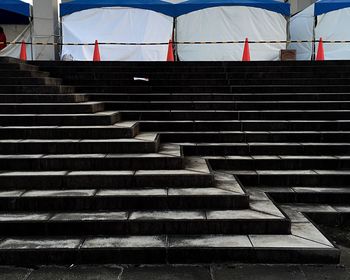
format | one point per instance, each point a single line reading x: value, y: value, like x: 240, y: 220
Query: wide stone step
x: 256, y: 136
x: 291, y: 81
x: 262, y: 149
x: 22, y: 73
x: 100, y: 118
x: 245, y: 125
x: 195, y: 67
x: 226, y: 198
x: 141, y: 144
x: 236, y: 115
x: 118, y: 130
x: 30, y: 81
x: 91, y: 162
x: 339, y: 197
x: 18, y: 66
x: 153, y: 89
x: 35, y: 89
x: 288, y: 75
x: 270, y: 88
x: 175, y: 249
x: 150, y: 82
x: 51, y: 108
x: 119, y: 179
x: 245, y: 221
x: 288, y: 68
x: 280, y: 162
x: 208, y: 82
x: 332, y: 215
x: 228, y: 105
x: 290, y: 88
x: 42, y: 98
x: 302, y: 178
x: 198, y: 97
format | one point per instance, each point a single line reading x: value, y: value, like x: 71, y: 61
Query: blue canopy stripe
x: 15, y: 6
x: 173, y: 10
x: 326, y: 6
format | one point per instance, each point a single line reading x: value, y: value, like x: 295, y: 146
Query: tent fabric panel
x: 227, y: 24
x: 14, y: 50
x: 334, y: 26
x: 117, y: 25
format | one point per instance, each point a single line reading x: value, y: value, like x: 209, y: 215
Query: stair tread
x: 164, y: 215
x: 159, y: 192
x: 103, y: 113
x: 198, y: 241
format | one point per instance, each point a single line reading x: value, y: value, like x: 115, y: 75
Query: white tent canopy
x: 231, y: 23
x: 152, y: 21
x: 111, y: 21
x: 327, y: 19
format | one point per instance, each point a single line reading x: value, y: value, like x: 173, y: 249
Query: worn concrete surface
x: 339, y: 235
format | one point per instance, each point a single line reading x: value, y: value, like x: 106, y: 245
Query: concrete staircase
x: 98, y: 167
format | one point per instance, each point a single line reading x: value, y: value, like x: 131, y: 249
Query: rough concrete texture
x: 339, y: 235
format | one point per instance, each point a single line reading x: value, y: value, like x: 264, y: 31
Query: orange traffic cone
x: 320, y: 51
x: 23, y: 54
x: 246, y: 52
x: 170, y: 56
x: 97, y: 56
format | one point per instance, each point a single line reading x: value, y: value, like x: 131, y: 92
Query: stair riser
x: 20, y: 66
x: 331, y: 218
x: 123, y: 203
x: 23, y: 73
x: 193, y: 115
x: 156, y: 76
x: 30, y: 81
x: 30, y: 89
x: 333, y: 198
x: 91, y: 164
x: 263, y: 137
x: 27, y: 98
x: 143, y: 106
x: 217, y: 89
x: 161, y: 255
x: 51, y: 109
x: 194, y: 69
x: 244, y: 150
x: 104, y: 181
x: 278, y: 164
x: 242, y: 126
x: 145, y: 227
x: 273, y: 81
x: 295, y: 180
x: 74, y: 133
x: 131, y: 82
x: 59, y: 120
x: 204, y: 82
x: 78, y: 148
x: 220, y: 97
